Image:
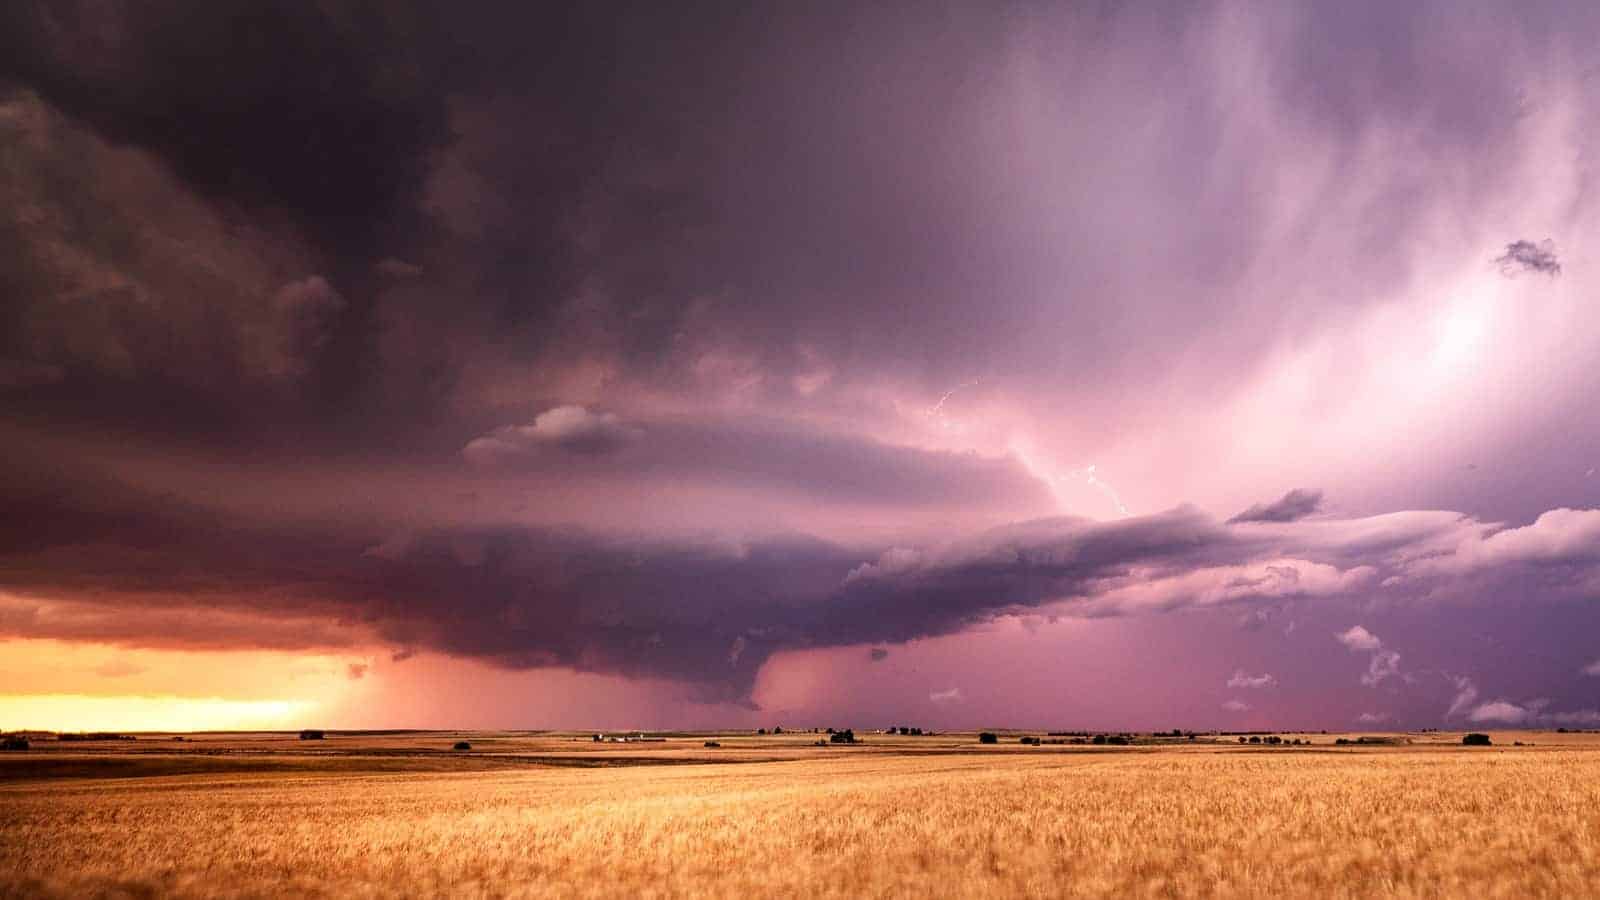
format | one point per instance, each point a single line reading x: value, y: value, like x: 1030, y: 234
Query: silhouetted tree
x: 988, y: 737
x: 1475, y: 739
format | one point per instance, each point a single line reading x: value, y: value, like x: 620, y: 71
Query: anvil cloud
x: 819, y: 362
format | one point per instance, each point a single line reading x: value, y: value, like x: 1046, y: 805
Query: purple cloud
x: 1297, y: 504
x: 1527, y: 256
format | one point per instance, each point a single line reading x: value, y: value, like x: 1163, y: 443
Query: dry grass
x: 1180, y: 822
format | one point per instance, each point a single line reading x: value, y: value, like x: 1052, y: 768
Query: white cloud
x: 1557, y: 536
x: 575, y: 429
x: 1358, y: 638
x: 952, y: 695
x: 1372, y: 718
x: 1263, y: 581
x: 1500, y: 711
x: 1384, y: 663
x: 1531, y: 712
x: 1242, y: 679
x: 894, y: 561
x: 1236, y: 706
x: 1592, y: 669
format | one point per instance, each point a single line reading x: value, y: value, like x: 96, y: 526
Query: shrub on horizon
x: 988, y: 737
x: 1475, y: 739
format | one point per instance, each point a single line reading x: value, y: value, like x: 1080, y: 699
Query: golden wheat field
x: 555, y: 816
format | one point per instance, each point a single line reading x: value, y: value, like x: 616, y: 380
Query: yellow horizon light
x: 145, y: 713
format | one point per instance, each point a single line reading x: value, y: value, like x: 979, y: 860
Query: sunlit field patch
x: 559, y: 816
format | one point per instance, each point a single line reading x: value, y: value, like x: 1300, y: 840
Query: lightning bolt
x: 1091, y: 478
x: 937, y: 410
x: 1089, y: 475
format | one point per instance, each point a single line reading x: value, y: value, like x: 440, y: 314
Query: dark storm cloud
x: 705, y: 615
x: 1297, y: 504
x: 322, y: 112
x: 756, y: 454
x: 114, y: 566
x: 1527, y: 256
x: 340, y: 141
x: 150, y: 570
x: 895, y: 190
x: 733, y: 247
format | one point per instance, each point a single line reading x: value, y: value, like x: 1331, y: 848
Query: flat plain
x: 559, y: 815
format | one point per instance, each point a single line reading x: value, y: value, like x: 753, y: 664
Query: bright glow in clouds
x: 1462, y: 331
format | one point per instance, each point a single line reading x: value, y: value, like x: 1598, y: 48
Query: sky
x: 1070, y: 365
